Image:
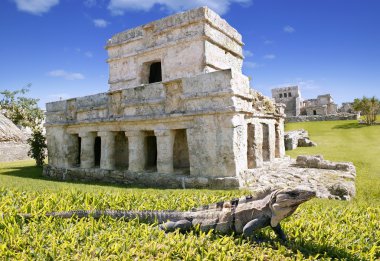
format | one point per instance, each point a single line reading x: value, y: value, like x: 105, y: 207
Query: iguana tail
x: 144, y: 216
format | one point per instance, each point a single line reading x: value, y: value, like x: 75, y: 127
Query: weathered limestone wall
x: 13, y: 145
x: 203, y: 40
x: 11, y: 151
x: 333, y: 117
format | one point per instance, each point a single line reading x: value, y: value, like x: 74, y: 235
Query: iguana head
x: 285, y: 201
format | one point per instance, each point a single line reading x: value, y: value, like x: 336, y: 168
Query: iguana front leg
x: 279, y: 232
x: 253, y: 225
x: 170, y: 226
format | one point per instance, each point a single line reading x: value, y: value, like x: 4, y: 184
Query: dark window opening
x: 155, y: 74
x: 79, y: 150
x: 290, y: 94
x: 151, y: 152
x: 314, y: 112
x: 280, y: 95
x: 285, y: 95
x: 97, y: 151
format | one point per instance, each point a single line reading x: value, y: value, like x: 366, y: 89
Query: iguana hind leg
x: 253, y: 225
x: 279, y: 232
x: 170, y: 226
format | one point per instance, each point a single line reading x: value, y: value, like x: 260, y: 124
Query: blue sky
x: 324, y: 46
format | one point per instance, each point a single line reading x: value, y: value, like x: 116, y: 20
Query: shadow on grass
x: 34, y: 172
x: 352, y: 125
x: 308, y: 249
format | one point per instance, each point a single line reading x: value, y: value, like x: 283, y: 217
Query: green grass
x: 320, y: 229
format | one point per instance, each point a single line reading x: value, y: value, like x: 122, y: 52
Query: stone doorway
x: 151, y: 151
x: 97, y: 151
x: 79, y: 149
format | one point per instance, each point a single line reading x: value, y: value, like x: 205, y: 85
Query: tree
x: 369, y: 107
x: 21, y: 110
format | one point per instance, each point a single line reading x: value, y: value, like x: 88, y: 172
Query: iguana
x: 242, y: 216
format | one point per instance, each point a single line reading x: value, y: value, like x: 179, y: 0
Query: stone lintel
x: 87, y: 134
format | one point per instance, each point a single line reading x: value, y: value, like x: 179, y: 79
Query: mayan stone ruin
x: 178, y: 112
x: 320, y: 109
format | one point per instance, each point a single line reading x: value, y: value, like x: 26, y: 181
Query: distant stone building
x: 297, y: 106
x: 291, y: 97
x: 13, y: 145
x: 347, y: 107
x: 178, y: 113
x: 323, y: 105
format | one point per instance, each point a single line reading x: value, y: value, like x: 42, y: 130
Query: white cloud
x: 251, y: 65
x: 101, y: 23
x: 304, y: 85
x: 307, y: 84
x: 90, y: 3
x: 268, y: 42
x: 247, y: 53
x: 269, y: 57
x: 66, y: 75
x: 118, y: 7
x: 88, y: 54
x: 289, y: 29
x: 36, y: 7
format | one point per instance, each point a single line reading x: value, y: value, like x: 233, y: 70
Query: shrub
x: 37, y: 144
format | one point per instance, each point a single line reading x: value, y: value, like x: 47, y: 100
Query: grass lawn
x: 320, y: 229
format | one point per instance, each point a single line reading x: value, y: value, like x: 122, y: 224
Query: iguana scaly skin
x: 243, y: 216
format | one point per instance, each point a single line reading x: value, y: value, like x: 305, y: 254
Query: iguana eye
x: 293, y: 194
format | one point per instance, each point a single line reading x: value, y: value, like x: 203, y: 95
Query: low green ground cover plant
x: 320, y: 229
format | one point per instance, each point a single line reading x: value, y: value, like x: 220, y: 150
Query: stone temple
x: 178, y: 112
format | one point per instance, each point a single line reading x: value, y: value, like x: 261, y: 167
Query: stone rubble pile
x: 332, y: 180
x: 297, y: 138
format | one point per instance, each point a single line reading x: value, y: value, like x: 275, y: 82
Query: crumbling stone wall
x: 334, y: 117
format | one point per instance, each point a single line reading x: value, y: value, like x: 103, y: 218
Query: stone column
x: 280, y: 143
x: 87, y: 155
x: 165, y: 143
x: 271, y: 141
x: 107, y: 156
x: 258, y: 145
x: 136, y: 150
